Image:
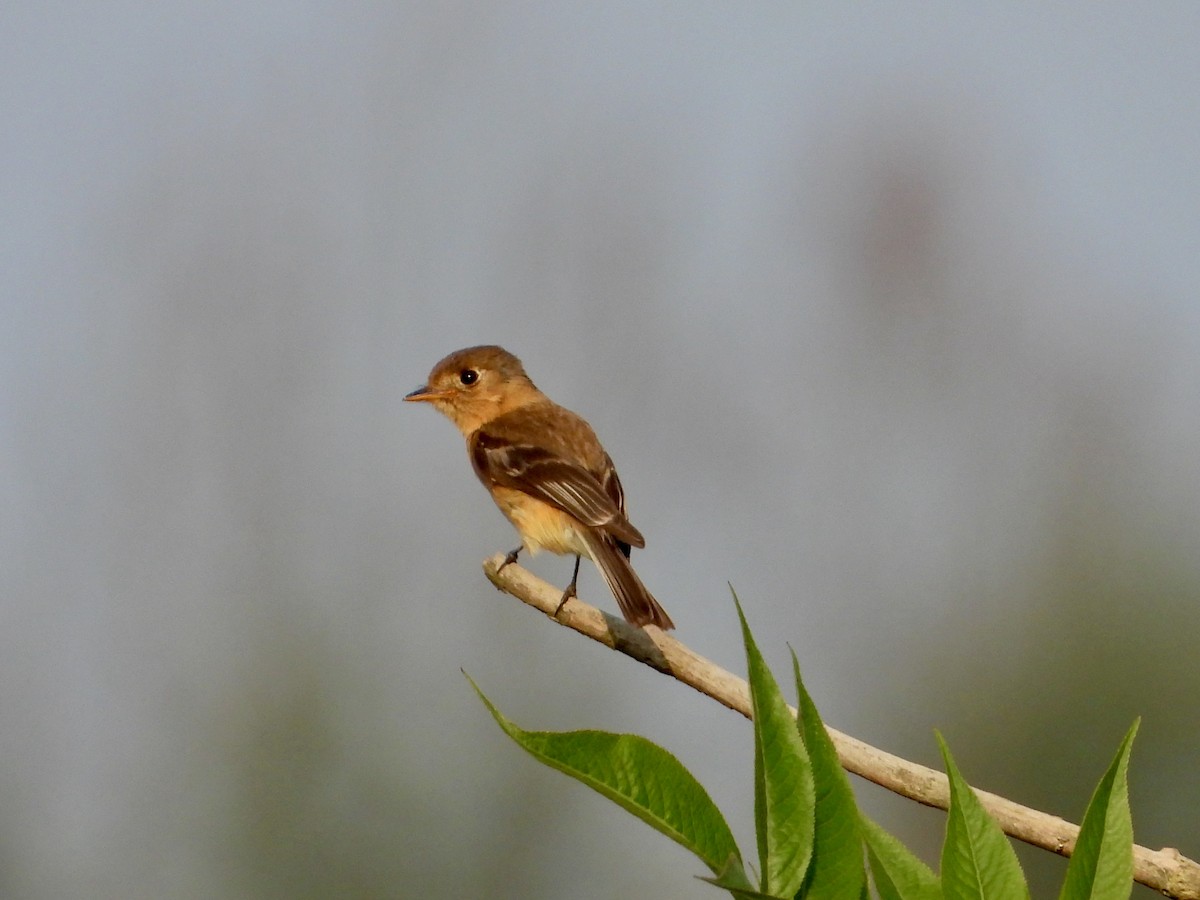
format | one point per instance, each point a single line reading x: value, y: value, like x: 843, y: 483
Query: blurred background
x: 888, y: 315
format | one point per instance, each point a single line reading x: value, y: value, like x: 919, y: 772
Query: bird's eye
x: 468, y: 377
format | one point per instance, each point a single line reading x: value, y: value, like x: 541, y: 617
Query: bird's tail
x: 637, y: 604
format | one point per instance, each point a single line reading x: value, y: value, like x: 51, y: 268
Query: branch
x: 1166, y: 870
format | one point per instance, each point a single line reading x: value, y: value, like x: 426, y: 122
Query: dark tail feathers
x: 637, y: 604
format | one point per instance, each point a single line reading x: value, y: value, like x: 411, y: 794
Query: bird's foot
x: 570, y: 591
x: 510, y: 558
x: 567, y: 595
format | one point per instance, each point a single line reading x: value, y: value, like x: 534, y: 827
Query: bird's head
x: 473, y: 386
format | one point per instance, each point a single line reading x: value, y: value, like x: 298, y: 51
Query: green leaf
x: 643, y: 778
x: 740, y: 893
x: 1101, y: 866
x: 898, y: 874
x: 837, y: 864
x: 783, y: 781
x: 978, y: 862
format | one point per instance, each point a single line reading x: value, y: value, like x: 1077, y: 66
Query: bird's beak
x: 423, y: 393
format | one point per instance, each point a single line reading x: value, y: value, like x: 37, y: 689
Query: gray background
x: 888, y: 316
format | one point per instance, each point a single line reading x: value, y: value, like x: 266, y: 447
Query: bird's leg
x: 510, y: 558
x: 570, y: 591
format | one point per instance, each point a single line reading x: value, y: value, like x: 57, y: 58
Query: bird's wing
x: 548, y: 477
x: 612, y: 484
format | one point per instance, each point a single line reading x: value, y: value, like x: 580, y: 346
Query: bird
x: 545, y: 469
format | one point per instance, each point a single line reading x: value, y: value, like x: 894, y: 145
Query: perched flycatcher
x: 544, y: 468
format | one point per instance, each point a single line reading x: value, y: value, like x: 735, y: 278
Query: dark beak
x: 422, y: 393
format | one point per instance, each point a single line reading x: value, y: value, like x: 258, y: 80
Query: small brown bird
x: 545, y: 468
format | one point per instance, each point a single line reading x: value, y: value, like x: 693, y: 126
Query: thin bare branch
x: 1166, y: 870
